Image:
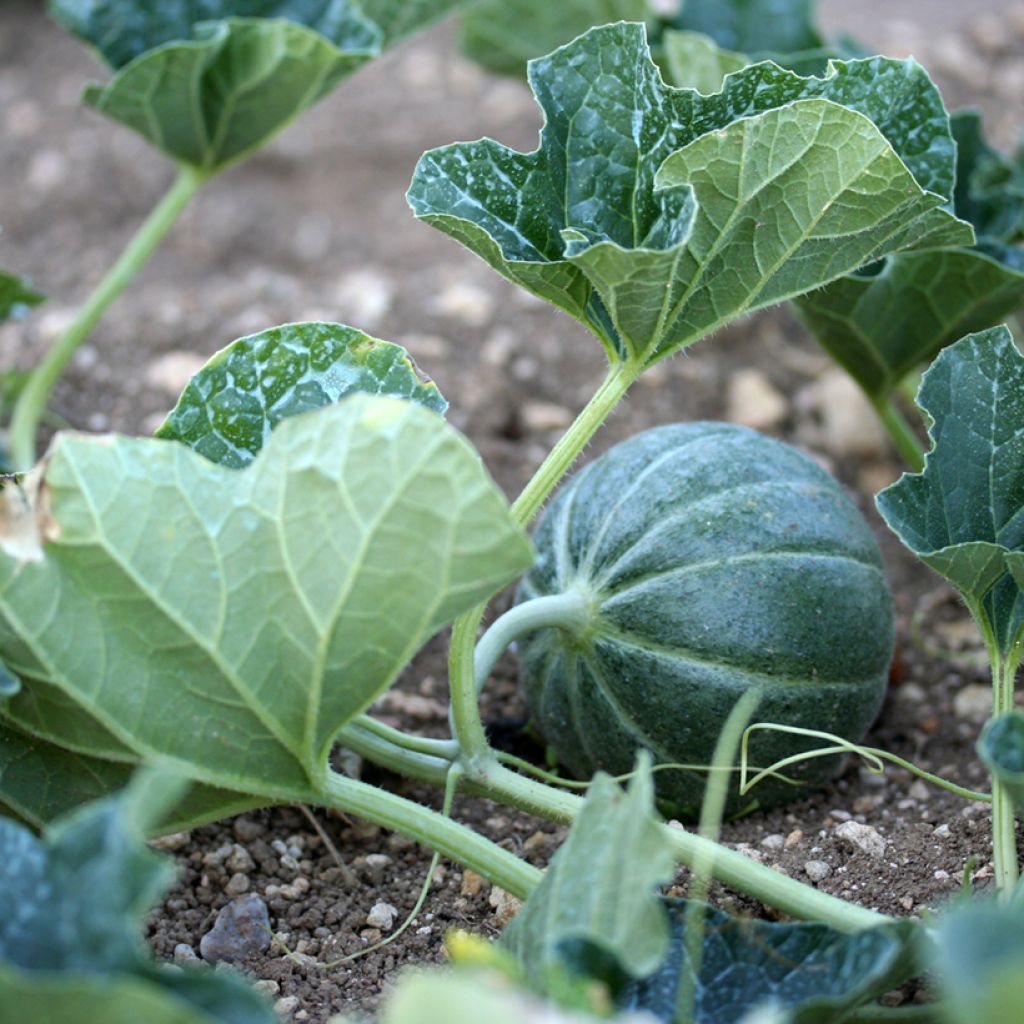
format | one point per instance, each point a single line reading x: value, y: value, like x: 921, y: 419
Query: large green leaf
x: 502, y: 35
x: 16, y: 297
x: 691, y: 60
x: 753, y: 26
x: 979, y: 960
x: 964, y: 515
x: 598, y: 899
x: 812, y: 972
x: 71, y: 913
x: 655, y: 215
x: 232, y: 404
x: 41, y: 781
x: 234, y: 620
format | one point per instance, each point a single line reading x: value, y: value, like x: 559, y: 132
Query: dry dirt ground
x: 315, y: 227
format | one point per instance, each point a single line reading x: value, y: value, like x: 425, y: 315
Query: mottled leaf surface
x: 229, y: 408
x: 42, y: 781
x: 979, y: 960
x: 777, y: 184
x: 72, y: 907
x: 210, y: 101
x: 964, y: 515
x: 598, y: 898
x: 811, y: 971
x: 1001, y: 747
x: 503, y: 35
x: 17, y: 297
x: 234, y: 620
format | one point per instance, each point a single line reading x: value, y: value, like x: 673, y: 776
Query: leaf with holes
x: 230, y: 407
x: 656, y: 215
x: 232, y: 621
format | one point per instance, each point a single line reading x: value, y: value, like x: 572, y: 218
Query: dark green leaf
x: 753, y: 26
x: 72, y: 908
x: 989, y: 187
x: 597, y: 902
x: 654, y: 257
x: 211, y: 101
x: 811, y: 971
x: 964, y: 515
x: 281, y: 598
x: 880, y: 327
x: 233, y: 403
x: 122, y: 30
x: 42, y: 781
x: 502, y: 35
x: 16, y: 297
x: 1001, y: 747
x: 980, y: 962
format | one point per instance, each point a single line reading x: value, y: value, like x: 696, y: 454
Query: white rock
x: 173, y: 370
x: 364, y: 296
x: 541, y: 417
x: 382, y: 916
x: 861, y: 837
x: 849, y: 426
x: 973, y: 703
x: 817, y: 870
x: 465, y: 302
x: 775, y: 841
x: 752, y: 401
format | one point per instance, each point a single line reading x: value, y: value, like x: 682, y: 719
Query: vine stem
x: 465, y: 711
x: 901, y: 433
x: 1004, y: 820
x: 31, y: 403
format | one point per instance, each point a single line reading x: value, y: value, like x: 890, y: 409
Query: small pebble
x: 472, y: 883
x: 973, y: 703
x: 504, y: 904
x: 861, y: 837
x: 173, y: 842
x: 237, y: 884
x: 240, y: 859
x: 268, y: 987
x: 382, y: 916
x: 542, y: 417
x: 242, y: 929
x: 185, y: 954
x: 918, y: 790
x: 817, y: 870
x: 246, y: 830
x: 942, y: 831
x: 286, y: 1005
x: 774, y: 842
x: 751, y: 400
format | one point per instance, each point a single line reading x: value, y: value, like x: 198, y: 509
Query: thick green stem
x: 1004, y: 821
x: 32, y: 401
x: 466, y: 724
x: 431, y: 828
x: 901, y: 433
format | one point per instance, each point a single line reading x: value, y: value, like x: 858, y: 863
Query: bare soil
x: 315, y: 227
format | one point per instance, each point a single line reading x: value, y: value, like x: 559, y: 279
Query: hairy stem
x: 902, y: 434
x: 466, y: 724
x: 29, y: 408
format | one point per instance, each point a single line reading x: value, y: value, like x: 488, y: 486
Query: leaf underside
x: 231, y: 406
x: 234, y: 620
x: 656, y: 215
x: 964, y: 515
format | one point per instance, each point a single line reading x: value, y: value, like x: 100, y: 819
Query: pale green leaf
x: 503, y: 35
x: 690, y: 60
x: 810, y: 973
x: 210, y: 101
x: 622, y: 219
x: 598, y: 899
x: 964, y: 515
x: 16, y: 297
x: 233, y: 621
x: 229, y: 408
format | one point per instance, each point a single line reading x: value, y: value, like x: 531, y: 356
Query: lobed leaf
x: 17, y: 297
x: 809, y: 973
x: 229, y: 408
x: 621, y: 218
x: 964, y: 515
x: 72, y: 908
x: 233, y: 621
x: 597, y: 902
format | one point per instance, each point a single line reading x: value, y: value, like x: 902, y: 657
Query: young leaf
x: 964, y: 515
x: 690, y: 60
x: 42, y: 781
x: 1001, y: 748
x: 503, y: 35
x: 655, y: 215
x: 811, y: 971
x: 16, y: 297
x: 234, y: 620
x: 71, y: 914
x: 979, y: 958
x: 598, y: 903
x: 229, y: 408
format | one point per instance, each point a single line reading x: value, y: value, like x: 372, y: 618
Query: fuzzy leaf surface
x: 598, y: 898
x: 233, y: 621
x: 964, y: 515
x: 16, y: 297
x: 73, y: 906
x: 503, y: 35
x: 811, y: 972
x: 655, y: 215
x: 229, y: 408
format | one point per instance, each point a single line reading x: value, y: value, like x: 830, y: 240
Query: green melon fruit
x: 714, y: 560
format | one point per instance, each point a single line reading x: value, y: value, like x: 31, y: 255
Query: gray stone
x: 382, y: 916
x: 817, y: 870
x: 861, y: 837
x: 184, y: 954
x: 242, y: 929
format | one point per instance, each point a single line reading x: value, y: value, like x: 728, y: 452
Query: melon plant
x: 711, y: 560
